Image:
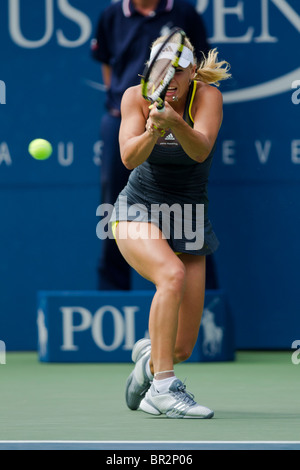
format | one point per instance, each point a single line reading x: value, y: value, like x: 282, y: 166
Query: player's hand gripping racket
x: 160, y: 69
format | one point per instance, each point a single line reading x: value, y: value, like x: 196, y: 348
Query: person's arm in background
x: 106, y: 74
x: 100, y: 49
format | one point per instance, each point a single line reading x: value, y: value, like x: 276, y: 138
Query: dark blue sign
x: 51, y: 88
x: 98, y: 327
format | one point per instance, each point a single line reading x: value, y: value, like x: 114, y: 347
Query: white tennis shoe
x: 138, y: 382
x: 176, y: 403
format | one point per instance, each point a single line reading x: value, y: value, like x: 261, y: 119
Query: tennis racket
x: 160, y: 70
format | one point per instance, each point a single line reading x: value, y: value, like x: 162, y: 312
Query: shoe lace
x: 184, y: 395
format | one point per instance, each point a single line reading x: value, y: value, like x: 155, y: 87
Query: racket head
x: 160, y: 69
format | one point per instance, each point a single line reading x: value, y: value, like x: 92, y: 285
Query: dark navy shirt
x: 124, y: 37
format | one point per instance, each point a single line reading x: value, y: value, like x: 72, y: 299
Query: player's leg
x: 176, y: 402
x: 145, y: 249
x: 191, y: 307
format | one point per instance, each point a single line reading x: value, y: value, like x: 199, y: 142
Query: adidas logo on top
x: 170, y: 137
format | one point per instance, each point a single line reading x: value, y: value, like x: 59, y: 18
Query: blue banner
x: 51, y: 88
x: 98, y: 327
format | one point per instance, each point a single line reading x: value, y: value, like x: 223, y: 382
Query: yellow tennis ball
x: 40, y: 149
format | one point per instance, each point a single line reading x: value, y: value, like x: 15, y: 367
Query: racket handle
x: 160, y: 104
x: 161, y: 107
x: 162, y: 131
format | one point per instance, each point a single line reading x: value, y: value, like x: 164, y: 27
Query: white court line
x: 151, y: 442
x: 145, y: 442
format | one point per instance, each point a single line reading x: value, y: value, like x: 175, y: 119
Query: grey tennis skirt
x: 183, y: 222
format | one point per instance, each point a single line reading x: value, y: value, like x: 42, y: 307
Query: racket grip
x: 162, y: 131
x: 160, y: 104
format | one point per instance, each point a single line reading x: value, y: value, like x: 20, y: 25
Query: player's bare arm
x: 207, y: 113
x: 137, y: 136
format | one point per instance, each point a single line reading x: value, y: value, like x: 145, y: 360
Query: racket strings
x: 159, y: 78
x: 161, y: 69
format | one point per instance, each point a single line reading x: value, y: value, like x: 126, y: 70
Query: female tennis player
x: 170, y: 152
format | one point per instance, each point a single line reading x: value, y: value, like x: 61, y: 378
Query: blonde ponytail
x: 211, y: 71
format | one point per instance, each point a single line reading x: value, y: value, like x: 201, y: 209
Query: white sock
x: 148, y: 370
x: 162, y: 386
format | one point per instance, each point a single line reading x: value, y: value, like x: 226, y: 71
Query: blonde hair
x: 211, y: 70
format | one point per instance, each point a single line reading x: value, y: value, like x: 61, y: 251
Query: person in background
x: 124, y: 34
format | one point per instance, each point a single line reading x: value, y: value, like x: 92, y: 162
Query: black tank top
x: 170, y: 170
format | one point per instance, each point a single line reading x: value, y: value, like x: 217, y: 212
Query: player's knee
x: 175, y: 278
x: 182, y: 353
